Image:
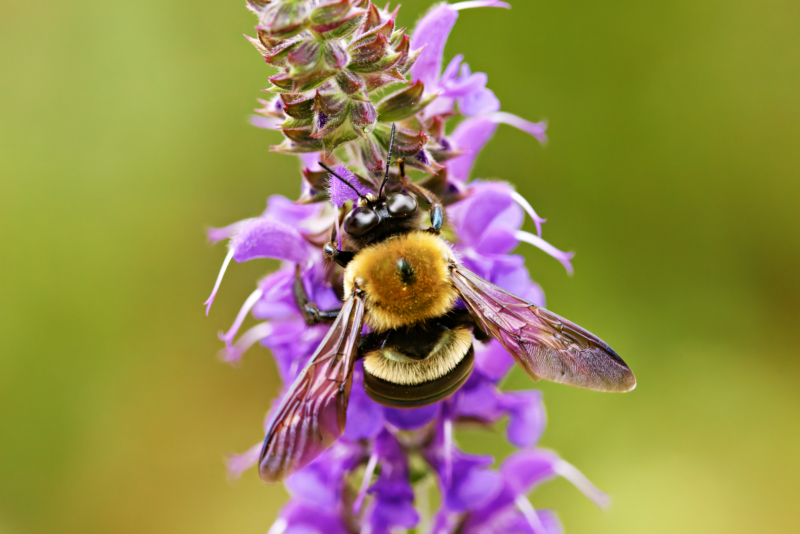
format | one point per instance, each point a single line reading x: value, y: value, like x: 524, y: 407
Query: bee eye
x: 400, y: 205
x: 360, y: 221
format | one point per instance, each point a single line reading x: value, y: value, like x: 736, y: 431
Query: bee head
x: 370, y: 213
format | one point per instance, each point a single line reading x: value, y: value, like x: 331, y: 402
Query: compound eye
x: 360, y: 221
x: 401, y: 205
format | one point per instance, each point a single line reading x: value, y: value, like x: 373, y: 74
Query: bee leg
x: 311, y: 313
x: 342, y: 257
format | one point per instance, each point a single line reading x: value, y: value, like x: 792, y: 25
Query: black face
x: 394, y: 208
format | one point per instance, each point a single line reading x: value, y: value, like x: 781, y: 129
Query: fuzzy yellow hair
x: 394, y: 300
x: 397, y: 368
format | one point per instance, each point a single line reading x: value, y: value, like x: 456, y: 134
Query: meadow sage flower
x: 346, y: 73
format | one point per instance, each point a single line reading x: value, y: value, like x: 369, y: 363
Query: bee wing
x: 312, y: 414
x: 545, y: 345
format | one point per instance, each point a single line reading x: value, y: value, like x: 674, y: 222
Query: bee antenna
x: 351, y: 186
x: 388, y: 163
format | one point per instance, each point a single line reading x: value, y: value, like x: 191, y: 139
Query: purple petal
x: 387, y: 515
x: 563, y: 257
x: 393, y: 505
x: 509, y: 272
x: 479, y: 399
x: 299, y: 517
x: 480, y: 3
x: 526, y: 469
x: 264, y: 238
x: 233, y: 352
x: 472, y: 483
x: 277, y: 300
x: 364, y: 416
x: 527, y: 417
x: 493, y: 360
x: 477, y: 102
x: 466, y: 84
x: 215, y: 235
x: 431, y: 33
x: 318, y: 483
x: 550, y: 522
x: 488, y: 218
x: 340, y: 192
x: 451, y: 71
x: 524, y: 204
x: 239, y: 463
x: 570, y: 472
x: 240, y: 317
x: 281, y: 209
x: 470, y: 136
x: 310, y: 160
x: 410, y: 419
x: 268, y: 123
x: 536, y: 129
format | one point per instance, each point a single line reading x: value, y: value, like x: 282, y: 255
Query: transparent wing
x: 312, y: 414
x: 545, y: 345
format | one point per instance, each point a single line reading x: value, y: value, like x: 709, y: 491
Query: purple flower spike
x: 341, y: 192
x: 345, y: 74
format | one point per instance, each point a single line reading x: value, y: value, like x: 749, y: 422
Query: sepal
x: 403, y: 104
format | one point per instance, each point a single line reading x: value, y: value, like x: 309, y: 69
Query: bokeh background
x: 673, y: 171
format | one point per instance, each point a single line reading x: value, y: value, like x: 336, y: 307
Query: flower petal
x: 264, y: 238
x: 340, y: 191
x: 431, y: 33
x: 536, y: 129
x: 469, y: 137
x: 410, y: 419
x: 527, y: 417
x: 239, y: 463
x: 472, y: 483
x: 215, y: 235
x: 240, y: 317
x: 364, y: 416
x: 526, y: 469
x: 268, y: 123
x: 493, y: 360
x: 477, y: 102
x: 563, y: 257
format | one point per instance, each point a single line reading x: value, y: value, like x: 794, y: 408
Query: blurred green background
x: 673, y: 171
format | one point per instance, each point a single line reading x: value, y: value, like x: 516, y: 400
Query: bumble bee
x: 404, y: 282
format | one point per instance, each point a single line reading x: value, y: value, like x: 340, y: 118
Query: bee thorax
x: 406, y: 280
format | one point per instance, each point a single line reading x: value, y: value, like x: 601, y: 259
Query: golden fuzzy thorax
x: 398, y: 368
x: 395, y: 298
